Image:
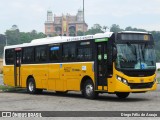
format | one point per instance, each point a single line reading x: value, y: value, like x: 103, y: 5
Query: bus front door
x: 17, y: 67
x: 101, y: 65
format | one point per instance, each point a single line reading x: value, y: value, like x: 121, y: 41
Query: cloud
x: 150, y: 27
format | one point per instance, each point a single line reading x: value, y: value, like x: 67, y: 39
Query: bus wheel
x: 31, y: 87
x: 88, y: 90
x: 122, y: 95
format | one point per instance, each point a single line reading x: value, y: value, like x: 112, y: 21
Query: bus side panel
x: 8, y: 75
x: 39, y: 72
x: 70, y: 74
x: 53, y: 76
x: 25, y: 72
x: 73, y: 74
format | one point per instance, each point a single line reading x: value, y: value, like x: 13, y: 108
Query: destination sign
x: 144, y: 37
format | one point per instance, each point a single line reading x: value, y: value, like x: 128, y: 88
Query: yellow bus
x: 116, y: 63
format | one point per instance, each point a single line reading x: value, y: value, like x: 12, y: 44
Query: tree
x: 129, y: 28
x: 134, y: 29
x: 95, y: 29
x: 2, y: 44
x: 115, y: 28
x: 80, y: 33
x: 13, y: 36
x: 105, y: 27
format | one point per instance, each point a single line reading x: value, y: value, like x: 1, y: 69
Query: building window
x: 48, y: 29
x: 80, y: 28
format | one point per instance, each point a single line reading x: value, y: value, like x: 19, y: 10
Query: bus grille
x: 140, y: 85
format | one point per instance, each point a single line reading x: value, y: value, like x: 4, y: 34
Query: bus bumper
x: 120, y: 87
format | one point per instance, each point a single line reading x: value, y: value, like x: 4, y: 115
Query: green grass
x: 9, y: 89
x: 158, y: 79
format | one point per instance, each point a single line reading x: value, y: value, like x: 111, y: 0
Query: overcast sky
x: 31, y: 14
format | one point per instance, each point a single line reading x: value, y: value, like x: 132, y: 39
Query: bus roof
x: 60, y: 39
x: 134, y: 32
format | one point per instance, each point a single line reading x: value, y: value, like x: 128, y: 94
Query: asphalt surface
x: 74, y: 101
x: 21, y: 100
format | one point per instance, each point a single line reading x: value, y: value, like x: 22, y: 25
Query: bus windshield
x: 135, y: 56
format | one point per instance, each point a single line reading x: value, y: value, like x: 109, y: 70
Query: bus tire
x: 122, y: 95
x: 88, y: 90
x: 31, y: 86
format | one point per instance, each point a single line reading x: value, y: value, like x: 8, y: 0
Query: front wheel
x: 88, y: 90
x: 122, y: 95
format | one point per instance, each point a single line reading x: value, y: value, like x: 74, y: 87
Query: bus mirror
x: 114, y: 53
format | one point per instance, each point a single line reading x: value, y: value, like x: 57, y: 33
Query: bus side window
x: 88, y: 53
x: 69, y: 52
x: 80, y: 54
x: 84, y: 54
x: 9, y: 57
x: 54, y: 53
x: 28, y: 55
x: 40, y: 54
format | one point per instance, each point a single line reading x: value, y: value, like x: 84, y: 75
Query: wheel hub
x: 89, y: 90
x: 31, y: 86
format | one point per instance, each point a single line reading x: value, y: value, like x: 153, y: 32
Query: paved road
x: 73, y: 101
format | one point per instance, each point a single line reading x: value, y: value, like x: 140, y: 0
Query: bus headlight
x: 122, y: 80
x: 119, y: 78
x: 125, y: 82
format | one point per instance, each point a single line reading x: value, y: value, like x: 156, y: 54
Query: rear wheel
x: 122, y: 95
x: 31, y: 87
x: 88, y: 90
